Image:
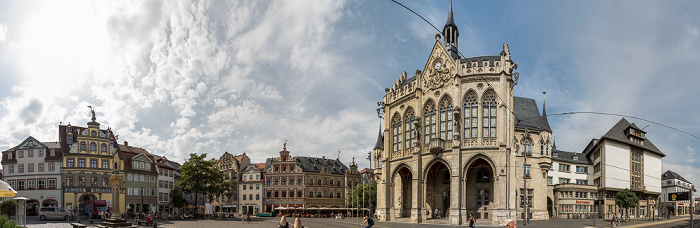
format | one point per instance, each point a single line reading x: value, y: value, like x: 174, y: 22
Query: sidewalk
x: 559, y: 222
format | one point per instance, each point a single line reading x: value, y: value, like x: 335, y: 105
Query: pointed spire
x: 380, y: 140
x: 545, y: 122
x: 450, y: 18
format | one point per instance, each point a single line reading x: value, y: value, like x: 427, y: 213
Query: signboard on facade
x: 676, y: 196
x: 583, y: 201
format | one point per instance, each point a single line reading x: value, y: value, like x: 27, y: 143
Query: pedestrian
x: 510, y: 224
x: 283, y: 222
x: 436, y: 213
x: 297, y: 223
x: 247, y: 217
x: 439, y: 214
x: 619, y: 216
x: 613, y: 220
x: 472, y: 220
x: 369, y: 222
x: 427, y: 213
x: 136, y: 220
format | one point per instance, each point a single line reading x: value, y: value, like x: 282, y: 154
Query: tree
x: 8, y: 207
x: 216, y: 186
x: 370, y: 195
x: 626, y: 199
x: 176, y: 198
x: 196, y: 172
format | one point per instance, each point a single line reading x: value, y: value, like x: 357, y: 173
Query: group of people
x: 615, y: 220
x: 369, y: 222
x: 437, y: 214
x: 245, y: 217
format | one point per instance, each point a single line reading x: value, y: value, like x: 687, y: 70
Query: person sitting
x: 283, y: 222
x: 148, y: 219
x: 297, y: 223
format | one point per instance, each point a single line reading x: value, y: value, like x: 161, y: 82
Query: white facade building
x: 572, y: 186
x: 671, y: 182
x: 251, y: 189
x: 33, y: 169
x: 166, y: 182
x: 624, y: 158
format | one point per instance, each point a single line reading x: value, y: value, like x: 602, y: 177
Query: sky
x: 177, y: 77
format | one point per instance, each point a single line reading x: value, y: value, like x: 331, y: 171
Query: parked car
x: 53, y: 213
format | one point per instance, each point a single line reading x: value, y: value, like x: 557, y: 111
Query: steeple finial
x: 450, y: 18
x: 285, y: 145
x: 545, y: 122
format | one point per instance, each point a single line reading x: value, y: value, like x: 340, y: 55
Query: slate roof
x: 528, y: 116
x: 617, y: 133
x: 480, y: 60
x: 127, y: 163
x: 672, y: 175
x: 314, y: 165
x: 568, y: 157
x: 380, y: 140
x: 408, y: 81
x: 450, y: 19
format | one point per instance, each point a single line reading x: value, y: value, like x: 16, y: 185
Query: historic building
x: 571, y: 182
x: 141, y: 179
x: 625, y: 158
x: 33, y: 168
x: 307, y: 182
x: 454, y: 140
x: 166, y: 182
x: 87, y: 163
x: 251, y: 189
x: 231, y: 166
x: 672, y: 182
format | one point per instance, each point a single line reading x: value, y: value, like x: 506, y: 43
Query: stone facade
x: 88, y: 160
x: 453, y: 140
x: 231, y: 166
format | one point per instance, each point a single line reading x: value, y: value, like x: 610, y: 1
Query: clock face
x: 438, y: 65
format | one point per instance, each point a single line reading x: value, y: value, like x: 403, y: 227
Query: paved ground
x: 675, y: 222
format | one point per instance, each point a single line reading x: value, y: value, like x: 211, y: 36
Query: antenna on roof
x: 338, y: 154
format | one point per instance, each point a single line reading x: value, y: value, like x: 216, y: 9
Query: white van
x: 53, y: 213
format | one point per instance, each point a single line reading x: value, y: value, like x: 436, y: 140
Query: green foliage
x: 176, y: 198
x: 10, y: 224
x: 216, y: 186
x: 8, y: 207
x: 3, y: 219
x: 368, y: 191
x: 626, y: 199
x: 196, y: 174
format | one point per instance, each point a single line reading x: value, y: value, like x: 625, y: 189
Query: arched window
x: 471, y: 112
x: 541, y: 147
x: 93, y: 133
x: 82, y: 145
x: 410, y: 133
x: 396, y: 125
x: 93, y: 146
x: 527, y: 146
x: 489, y: 107
x: 429, y: 113
x: 104, y: 147
x: 446, y: 118
x: 547, y: 151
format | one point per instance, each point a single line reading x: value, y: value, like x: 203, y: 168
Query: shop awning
x: 6, y: 190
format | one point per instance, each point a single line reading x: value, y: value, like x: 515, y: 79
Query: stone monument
x: 115, y: 219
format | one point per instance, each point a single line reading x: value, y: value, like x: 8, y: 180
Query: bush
x: 3, y: 219
x: 8, y: 207
x: 10, y: 224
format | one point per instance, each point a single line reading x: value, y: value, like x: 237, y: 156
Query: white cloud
x: 3, y: 32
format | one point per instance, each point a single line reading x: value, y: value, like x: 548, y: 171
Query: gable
x: 30, y: 143
x: 142, y: 157
x: 440, y: 68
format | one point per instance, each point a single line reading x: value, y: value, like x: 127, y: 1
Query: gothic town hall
x: 453, y: 140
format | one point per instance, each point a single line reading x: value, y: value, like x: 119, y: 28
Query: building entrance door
x: 402, y: 189
x: 479, y: 187
x: 437, y: 188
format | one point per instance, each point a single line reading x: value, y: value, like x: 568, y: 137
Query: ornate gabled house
x: 33, y: 168
x: 87, y: 158
x: 453, y: 140
x: 231, y: 166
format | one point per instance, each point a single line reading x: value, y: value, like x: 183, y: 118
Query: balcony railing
x: 437, y: 145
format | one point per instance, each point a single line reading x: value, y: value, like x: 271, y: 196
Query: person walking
x: 510, y: 223
x: 297, y: 223
x: 369, y: 222
x: 436, y: 213
x: 472, y: 221
x: 427, y: 213
x: 283, y: 222
x: 613, y: 220
x: 619, y: 216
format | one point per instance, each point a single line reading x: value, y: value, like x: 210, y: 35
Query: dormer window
x: 93, y: 133
x: 9, y: 156
x: 575, y: 158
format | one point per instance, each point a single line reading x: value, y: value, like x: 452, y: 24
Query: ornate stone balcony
x: 437, y: 145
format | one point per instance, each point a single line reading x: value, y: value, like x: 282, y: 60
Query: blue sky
x: 177, y: 77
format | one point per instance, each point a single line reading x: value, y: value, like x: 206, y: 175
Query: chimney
x: 126, y: 143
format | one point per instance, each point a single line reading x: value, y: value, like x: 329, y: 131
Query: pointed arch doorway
x: 479, y: 187
x: 402, y: 191
x: 437, y: 189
